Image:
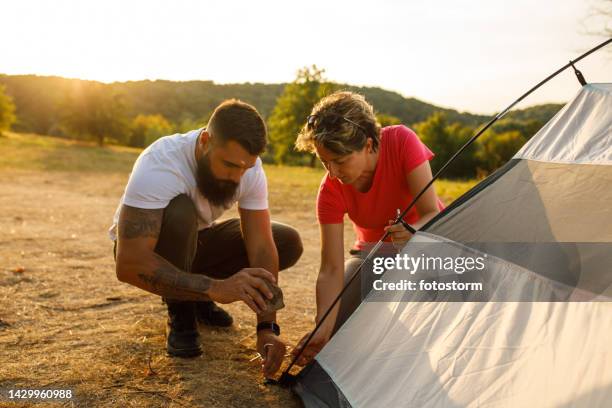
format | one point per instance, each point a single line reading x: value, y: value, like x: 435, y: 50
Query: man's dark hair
x: 238, y: 121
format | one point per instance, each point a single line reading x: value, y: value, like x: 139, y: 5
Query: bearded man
x: 167, y: 240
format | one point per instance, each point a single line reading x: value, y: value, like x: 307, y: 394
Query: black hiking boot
x: 210, y: 314
x: 183, y: 338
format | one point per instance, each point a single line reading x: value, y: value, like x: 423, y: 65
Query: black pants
x: 218, y: 251
x: 361, y: 285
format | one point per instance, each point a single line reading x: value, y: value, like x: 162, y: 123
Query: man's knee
x: 180, y: 216
x: 288, y: 243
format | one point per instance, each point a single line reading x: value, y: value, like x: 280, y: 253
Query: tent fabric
x: 457, y: 354
x: 537, y: 202
x: 317, y: 390
x: 540, y: 332
x: 580, y: 133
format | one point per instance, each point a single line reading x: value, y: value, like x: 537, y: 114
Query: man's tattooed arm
x: 139, y: 223
x: 139, y: 265
x: 169, y: 281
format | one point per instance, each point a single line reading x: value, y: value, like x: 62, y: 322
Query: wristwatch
x: 269, y: 326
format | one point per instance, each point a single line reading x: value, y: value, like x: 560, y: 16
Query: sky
x: 476, y: 55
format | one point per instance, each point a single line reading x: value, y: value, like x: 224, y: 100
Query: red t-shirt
x: 400, y: 151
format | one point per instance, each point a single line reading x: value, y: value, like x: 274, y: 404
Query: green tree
x: 145, y: 129
x: 434, y: 133
x: 387, y: 120
x: 7, y: 111
x: 289, y: 115
x: 93, y: 111
x: 444, y: 140
x: 526, y: 128
x: 495, y: 149
x: 466, y: 165
x: 189, y: 123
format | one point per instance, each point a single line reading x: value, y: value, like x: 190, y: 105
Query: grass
x: 35, y: 152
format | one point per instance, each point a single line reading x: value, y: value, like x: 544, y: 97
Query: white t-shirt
x: 168, y: 168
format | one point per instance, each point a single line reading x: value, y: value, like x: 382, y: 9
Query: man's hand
x: 272, y: 350
x: 247, y: 285
x: 315, y: 345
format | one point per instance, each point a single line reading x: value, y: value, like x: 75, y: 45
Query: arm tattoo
x: 160, y: 276
x: 139, y: 223
x: 170, y: 281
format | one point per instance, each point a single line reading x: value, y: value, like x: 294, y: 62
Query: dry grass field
x: 67, y: 322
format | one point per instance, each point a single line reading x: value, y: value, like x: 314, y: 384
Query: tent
x: 539, y: 333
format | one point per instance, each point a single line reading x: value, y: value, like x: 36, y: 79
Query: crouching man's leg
x: 177, y: 244
x: 221, y: 253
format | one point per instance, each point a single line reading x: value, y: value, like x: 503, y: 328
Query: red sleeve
x: 413, y: 151
x: 330, y: 202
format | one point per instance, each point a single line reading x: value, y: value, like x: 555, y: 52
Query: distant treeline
x: 138, y: 112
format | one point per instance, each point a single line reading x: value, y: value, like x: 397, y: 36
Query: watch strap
x: 269, y: 326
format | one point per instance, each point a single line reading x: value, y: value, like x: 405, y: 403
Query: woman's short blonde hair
x: 352, y: 123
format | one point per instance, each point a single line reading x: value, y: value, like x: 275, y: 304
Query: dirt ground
x: 67, y: 322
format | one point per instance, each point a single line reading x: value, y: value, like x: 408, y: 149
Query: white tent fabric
x: 580, y: 133
x: 481, y: 354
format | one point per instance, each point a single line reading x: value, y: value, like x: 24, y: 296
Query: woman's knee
x: 351, y: 298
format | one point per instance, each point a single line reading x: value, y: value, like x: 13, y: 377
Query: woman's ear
x: 370, y: 144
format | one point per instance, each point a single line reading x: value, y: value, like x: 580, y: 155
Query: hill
x: 39, y: 101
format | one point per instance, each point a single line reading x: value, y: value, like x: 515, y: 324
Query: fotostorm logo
x: 413, y: 264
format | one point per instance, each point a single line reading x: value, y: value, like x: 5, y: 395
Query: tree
x: 444, y: 140
x: 289, y: 115
x: 434, y: 133
x: 601, y: 16
x: 466, y: 165
x: 92, y: 110
x: 526, y: 128
x: 7, y: 110
x: 495, y: 149
x: 387, y: 120
x: 188, y: 123
x: 145, y: 129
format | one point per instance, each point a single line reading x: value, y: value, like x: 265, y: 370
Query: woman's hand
x: 315, y: 345
x: 398, y: 233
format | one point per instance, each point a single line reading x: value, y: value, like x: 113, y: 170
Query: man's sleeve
x: 253, y: 193
x: 151, y: 185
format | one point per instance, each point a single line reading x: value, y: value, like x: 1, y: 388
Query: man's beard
x: 218, y: 192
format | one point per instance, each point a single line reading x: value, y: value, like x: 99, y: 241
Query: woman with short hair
x: 371, y: 173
